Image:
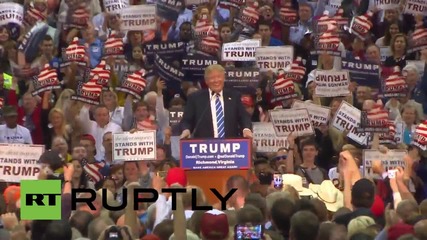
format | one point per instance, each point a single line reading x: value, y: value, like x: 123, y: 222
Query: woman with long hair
x: 64, y: 100
x: 79, y: 180
x: 392, y: 29
x: 410, y: 119
x: 7, y: 47
x: 70, y: 110
x: 54, y: 123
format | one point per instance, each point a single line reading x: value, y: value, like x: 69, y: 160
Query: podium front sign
x: 215, y: 154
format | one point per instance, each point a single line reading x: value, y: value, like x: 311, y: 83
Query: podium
x: 209, y: 163
x: 207, y: 179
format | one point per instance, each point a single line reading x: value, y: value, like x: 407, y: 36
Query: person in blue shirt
x: 305, y: 14
x: 264, y: 29
x: 95, y: 45
x: 410, y: 119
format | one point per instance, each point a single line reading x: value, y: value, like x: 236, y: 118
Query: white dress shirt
x: 117, y: 115
x: 92, y: 128
x: 213, y: 110
x: 163, y: 209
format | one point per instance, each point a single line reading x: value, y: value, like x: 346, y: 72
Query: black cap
x: 363, y: 189
x: 9, y: 111
x: 53, y: 158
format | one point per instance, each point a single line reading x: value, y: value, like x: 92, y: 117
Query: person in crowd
x: 265, y: 30
x: 12, y: 132
x: 54, y: 123
x: 61, y: 145
x: 399, y: 47
x: 29, y: 115
x: 95, y: 45
x: 99, y: 127
x: 362, y: 93
x: 410, y: 119
x: 110, y: 100
x: 305, y: 14
x: 415, y: 84
x: 392, y: 29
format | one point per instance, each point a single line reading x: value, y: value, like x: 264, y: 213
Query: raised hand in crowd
x: 9, y: 220
x: 68, y: 172
x: 391, y: 217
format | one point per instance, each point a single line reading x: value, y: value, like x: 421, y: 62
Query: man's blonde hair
x: 214, y: 68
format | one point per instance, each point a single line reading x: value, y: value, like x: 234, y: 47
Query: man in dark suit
x: 215, y: 112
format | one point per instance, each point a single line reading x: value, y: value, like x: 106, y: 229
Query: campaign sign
x: 364, y: 73
x: 288, y: 121
x: 169, y: 9
x: 372, y: 125
x: 390, y: 160
x: 265, y: 139
x: 139, y: 146
x: 175, y: 116
x: 347, y: 119
x: 170, y: 51
x: 245, y: 80
x: 19, y: 162
x: 194, y: 65
x: 215, y: 154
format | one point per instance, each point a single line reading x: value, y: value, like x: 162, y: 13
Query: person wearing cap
x: 11, y: 132
x: 215, y: 112
x: 362, y: 199
x: 214, y: 225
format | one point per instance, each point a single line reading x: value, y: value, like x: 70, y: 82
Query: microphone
x: 202, y: 115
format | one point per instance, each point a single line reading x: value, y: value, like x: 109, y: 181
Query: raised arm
x: 162, y: 115
x: 128, y: 114
x: 84, y: 119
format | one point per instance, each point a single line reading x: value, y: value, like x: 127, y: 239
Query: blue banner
x: 170, y: 51
x: 32, y: 40
x: 169, y: 9
x: 167, y: 71
x: 245, y: 80
x: 194, y: 65
x: 364, y: 73
x: 215, y: 154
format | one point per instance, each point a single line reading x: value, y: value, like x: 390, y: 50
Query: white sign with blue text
x: 215, y: 154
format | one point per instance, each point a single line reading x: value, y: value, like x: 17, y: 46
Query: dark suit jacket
x: 198, y: 116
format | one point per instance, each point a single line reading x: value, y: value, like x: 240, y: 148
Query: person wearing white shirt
x: 206, y: 110
x: 109, y: 99
x: 11, y: 132
x: 99, y: 127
